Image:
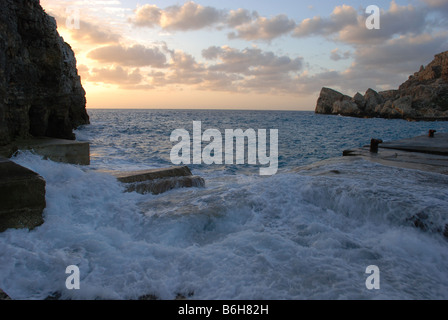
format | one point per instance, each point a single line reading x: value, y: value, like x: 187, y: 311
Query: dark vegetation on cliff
x: 40, y: 89
x: 424, y: 96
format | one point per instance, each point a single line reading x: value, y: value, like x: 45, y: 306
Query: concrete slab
x: 60, y: 150
x: 422, y: 144
x: 22, y: 196
x: 421, y: 153
x: 403, y: 159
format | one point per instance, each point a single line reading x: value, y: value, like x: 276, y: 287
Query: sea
x: 342, y: 230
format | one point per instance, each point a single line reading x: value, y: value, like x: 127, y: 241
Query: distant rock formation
x: 424, y: 96
x: 40, y: 90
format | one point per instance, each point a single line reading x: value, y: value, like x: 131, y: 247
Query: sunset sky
x: 253, y: 54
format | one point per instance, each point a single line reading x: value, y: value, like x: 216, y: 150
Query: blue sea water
x: 299, y: 234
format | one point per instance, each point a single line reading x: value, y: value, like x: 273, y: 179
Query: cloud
x: 345, y: 23
x: 93, y: 33
x: 379, y: 58
x: 439, y: 11
x: 341, y: 17
x: 336, y: 56
x: 241, y: 16
x: 136, y: 55
x: 398, y: 20
x: 381, y: 66
x: 88, y: 32
x: 263, y: 28
x: 250, y: 61
x: 147, y: 15
x: 190, y: 16
x: 401, y: 55
x: 228, y: 69
x: 437, y: 4
x: 115, y: 75
x: 182, y: 69
x: 254, y: 70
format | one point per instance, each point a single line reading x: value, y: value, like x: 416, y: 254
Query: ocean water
x: 299, y: 234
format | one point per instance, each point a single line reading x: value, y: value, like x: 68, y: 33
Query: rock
x: 346, y: 107
x: 22, y: 196
x: 3, y: 295
x: 424, y: 96
x: 328, y: 97
x: 360, y: 101
x: 389, y: 95
x: 373, y: 99
x: 403, y: 106
x: 40, y: 89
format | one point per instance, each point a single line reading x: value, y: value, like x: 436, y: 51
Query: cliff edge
x: 40, y: 89
x: 424, y: 96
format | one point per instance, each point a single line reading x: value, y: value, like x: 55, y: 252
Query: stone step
x: 157, y: 181
x: 151, y: 174
x: 22, y: 196
x: 165, y: 184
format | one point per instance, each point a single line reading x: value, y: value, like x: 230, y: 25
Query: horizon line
x: 205, y: 109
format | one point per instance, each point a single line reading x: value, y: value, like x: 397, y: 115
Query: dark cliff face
x: 424, y: 96
x: 40, y: 90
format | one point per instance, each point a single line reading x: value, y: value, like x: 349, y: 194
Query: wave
x: 296, y: 235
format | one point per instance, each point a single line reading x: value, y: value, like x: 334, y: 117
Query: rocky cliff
x: 424, y: 96
x: 40, y: 90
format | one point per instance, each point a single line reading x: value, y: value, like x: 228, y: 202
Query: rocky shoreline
x: 41, y: 95
x: 424, y: 96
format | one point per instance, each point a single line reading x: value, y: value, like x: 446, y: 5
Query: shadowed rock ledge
x: 424, y: 96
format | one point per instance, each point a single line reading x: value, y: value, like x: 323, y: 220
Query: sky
x: 253, y: 54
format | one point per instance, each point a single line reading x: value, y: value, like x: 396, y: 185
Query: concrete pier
x: 59, y: 150
x: 421, y: 153
x: 436, y: 144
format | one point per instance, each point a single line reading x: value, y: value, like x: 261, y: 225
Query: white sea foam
x: 290, y: 236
